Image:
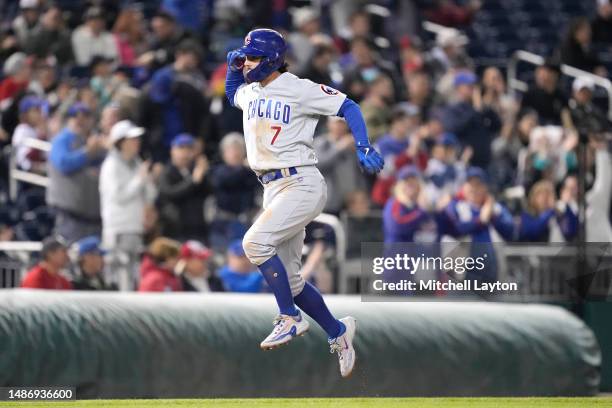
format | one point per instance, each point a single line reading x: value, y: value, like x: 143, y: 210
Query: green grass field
x: 332, y: 403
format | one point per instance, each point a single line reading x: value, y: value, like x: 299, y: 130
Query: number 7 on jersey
x: 277, y: 130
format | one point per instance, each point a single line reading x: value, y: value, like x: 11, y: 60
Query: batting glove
x: 369, y: 159
x: 235, y: 60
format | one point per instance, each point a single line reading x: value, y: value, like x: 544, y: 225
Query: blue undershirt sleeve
x: 350, y: 111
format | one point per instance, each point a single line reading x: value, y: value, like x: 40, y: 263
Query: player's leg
x: 340, y: 332
x: 285, y: 215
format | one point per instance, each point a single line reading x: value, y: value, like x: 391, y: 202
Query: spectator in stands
x: 477, y: 215
x: 365, y: 69
x: 27, y: 21
x: 545, y: 97
x: 449, y: 52
x: 358, y: 27
x: 31, y: 126
x: 74, y: 163
x: 101, y: 83
x: 479, y: 219
x: 91, y: 39
x: 318, y: 67
x: 550, y: 155
x: 318, y: 247
x: 598, y: 228
x: 420, y: 92
x: 234, y: 188
x: 89, y: 273
x: 47, y: 273
x: 541, y: 222
x: 306, y: 21
x: 130, y: 34
x: 157, y: 269
x: 18, y: 72
x: 126, y: 189
x: 494, y: 96
x: 507, y: 147
x: 601, y: 26
x: 450, y: 13
x: 183, y: 186
x: 196, y: 275
x: 445, y: 172
x: 337, y: 162
x: 474, y: 124
x: 585, y: 116
x: 402, y: 146
x: 170, y: 87
x: 51, y: 37
x: 376, y: 106
x: 576, y: 49
x: 167, y: 35
x: 406, y: 215
x: 239, y: 274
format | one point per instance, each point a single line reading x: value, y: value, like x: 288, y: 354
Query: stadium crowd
x: 147, y: 157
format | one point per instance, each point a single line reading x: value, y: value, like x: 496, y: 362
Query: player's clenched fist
x: 369, y: 159
x: 235, y: 60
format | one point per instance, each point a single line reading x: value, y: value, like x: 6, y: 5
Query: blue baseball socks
x: 311, y: 302
x: 275, y: 274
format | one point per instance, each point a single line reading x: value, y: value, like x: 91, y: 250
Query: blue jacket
x: 534, y: 228
x: 68, y: 152
x: 234, y: 188
x: 464, y: 219
x: 251, y: 282
x: 161, y: 92
x: 404, y: 224
x: 473, y: 128
x: 388, y: 145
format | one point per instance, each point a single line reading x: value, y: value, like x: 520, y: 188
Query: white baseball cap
x: 125, y: 129
x: 583, y: 82
x: 451, y: 37
x: 303, y: 15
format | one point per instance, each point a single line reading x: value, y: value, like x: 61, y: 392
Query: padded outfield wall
x: 191, y: 345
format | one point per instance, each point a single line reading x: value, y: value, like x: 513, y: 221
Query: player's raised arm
x: 369, y: 159
x: 234, y: 77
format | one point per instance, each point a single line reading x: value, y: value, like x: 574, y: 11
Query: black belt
x: 277, y: 174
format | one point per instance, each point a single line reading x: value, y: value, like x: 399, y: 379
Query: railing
x: 514, y: 84
x: 17, y: 175
x: 18, y: 257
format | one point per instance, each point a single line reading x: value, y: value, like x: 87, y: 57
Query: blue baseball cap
x: 476, y: 172
x: 464, y: 78
x: 184, y: 139
x: 235, y: 248
x: 449, y: 139
x: 30, y: 102
x: 407, y: 172
x: 77, y: 108
x: 89, y: 245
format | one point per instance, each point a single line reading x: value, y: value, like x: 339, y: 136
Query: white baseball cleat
x: 343, y: 345
x: 285, y: 328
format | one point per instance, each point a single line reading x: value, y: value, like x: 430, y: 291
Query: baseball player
x: 280, y: 113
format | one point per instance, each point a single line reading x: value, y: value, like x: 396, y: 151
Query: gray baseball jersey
x: 279, y: 120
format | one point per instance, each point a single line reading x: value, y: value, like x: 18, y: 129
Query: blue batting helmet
x: 268, y: 44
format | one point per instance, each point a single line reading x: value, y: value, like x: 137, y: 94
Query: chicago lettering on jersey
x: 269, y: 109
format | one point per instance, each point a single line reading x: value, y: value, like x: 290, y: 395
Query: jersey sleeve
x: 240, y: 96
x: 320, y: 99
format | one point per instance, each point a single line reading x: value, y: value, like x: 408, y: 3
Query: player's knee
x: 256, y: 252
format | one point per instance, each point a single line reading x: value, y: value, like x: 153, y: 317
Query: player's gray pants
x: 289, y: 205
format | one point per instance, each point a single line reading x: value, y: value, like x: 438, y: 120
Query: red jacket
x: 154, y: 278
x: 39, y: 278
